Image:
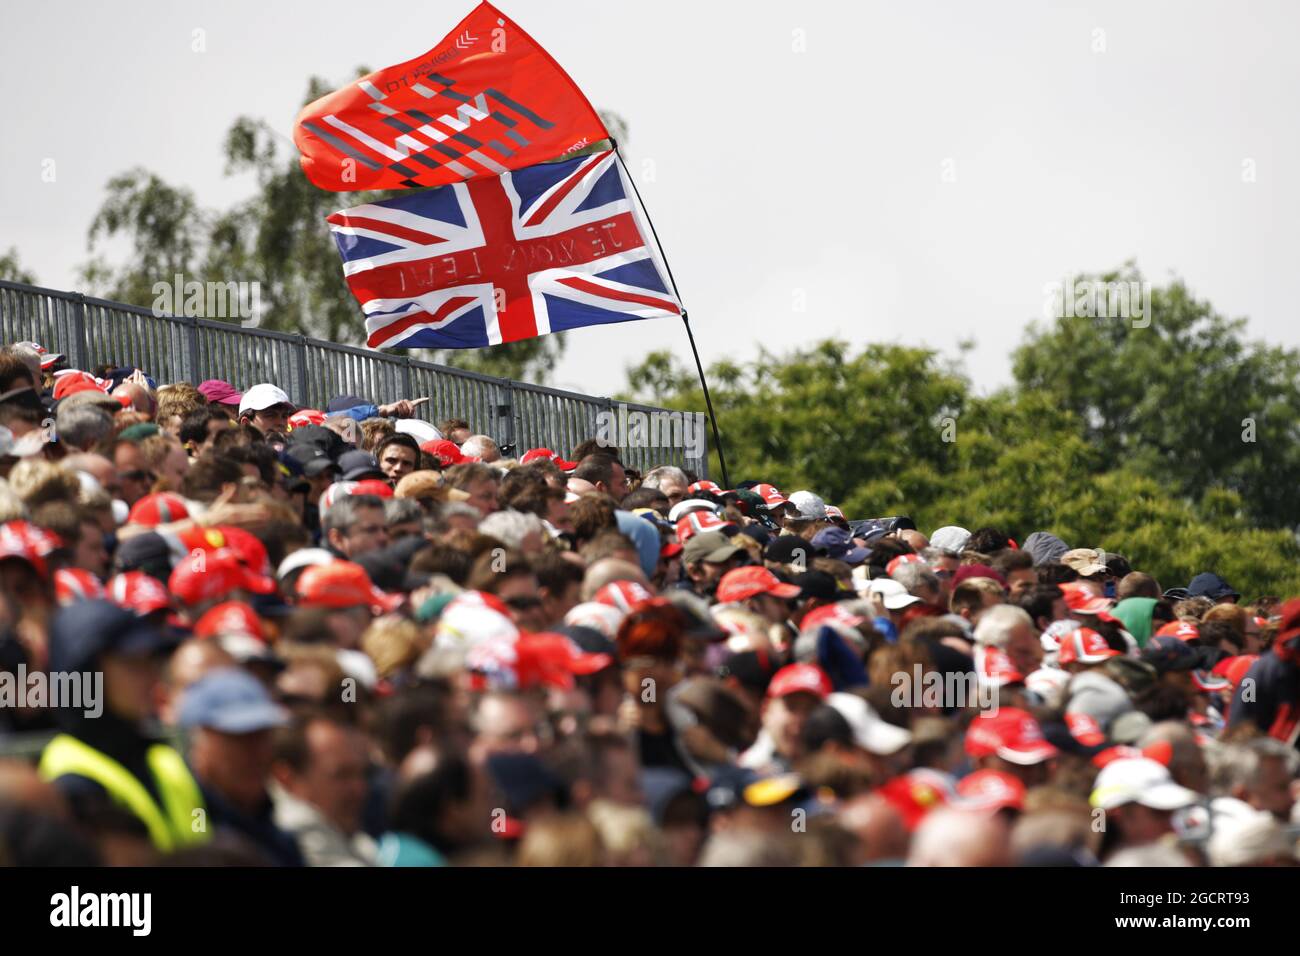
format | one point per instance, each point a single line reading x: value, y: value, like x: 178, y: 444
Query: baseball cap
x: 446, y: 451
x: 28, y: 542
x: 161, y: 507
x: 1083, y: 645
x: 838, y: 543
x: 810, y: 505
x: 306, y: 416
x: 1210, y: 585
x: 474, y: 616
x: 303, y: 558
x: 139, y: 592
x: 76, y: 584
x: 533, y: 660
x: 967, y: 571
x: 220, y: 572
x: 1139, y: 780
x: 788, y: 548
x: 1168, y: 654
x: 893, y: 595
x: 699, y: 521
x: 771, y: 497
x: 219, y: 392
x: 991, y: 790
x: 343, y: 584
x: 950, y: 538
x: 356, y: 465
x: 902, y: 559
x: 261, y: 397
x: 870, y: 731
x: 794, y: 678
x: 1183, y: 630
x: 624, y: 595
x: 713, y: 547
x: 1085, y: 561
x: 230, y: 617
x: 683, y: 508
x: 76, y: 381
x: 545, y: 454
x: 741, y: 583
x: 231, y: 701
x: 82, y: 631
x: 1010, y: 733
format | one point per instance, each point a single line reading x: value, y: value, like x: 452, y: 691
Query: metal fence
x: 179, y: 349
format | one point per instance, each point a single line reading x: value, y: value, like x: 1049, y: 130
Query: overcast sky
x: 911, y: 172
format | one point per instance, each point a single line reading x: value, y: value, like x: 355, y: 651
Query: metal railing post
x: 81, y: 347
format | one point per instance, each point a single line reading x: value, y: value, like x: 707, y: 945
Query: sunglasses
x: 522, y: 603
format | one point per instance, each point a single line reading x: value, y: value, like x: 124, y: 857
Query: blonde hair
x: 565, y: 840
x: 179, y: 399
x: 37, y: 482
x: 394, y: 644
x: 11, y: 506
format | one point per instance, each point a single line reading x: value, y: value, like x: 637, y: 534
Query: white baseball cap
x: 303, y: 558
x: 1139, y: 780
x: 810, y: 506
x: 263, y: 396
x: 893, y: 595
x: 870, y: 731
x: 683, y: 508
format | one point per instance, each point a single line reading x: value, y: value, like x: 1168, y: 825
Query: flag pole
x: 690, y: 336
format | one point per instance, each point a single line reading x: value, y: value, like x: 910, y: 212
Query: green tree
x: 1186, y: 400
x: 11, y: 269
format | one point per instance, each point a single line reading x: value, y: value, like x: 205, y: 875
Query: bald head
x: 960, y: 838
x: 141, y: 399
x: 878, y: 827
x: 607, y: 570
x: 915, y: 539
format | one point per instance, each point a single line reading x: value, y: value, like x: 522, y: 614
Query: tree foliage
x: 884, y: 430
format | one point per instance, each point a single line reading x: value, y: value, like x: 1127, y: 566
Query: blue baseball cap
x: 84, y: 630
x: 838, y: 544
x: 231, y: 701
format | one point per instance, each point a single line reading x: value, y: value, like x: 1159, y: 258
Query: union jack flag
x: 541, y: 249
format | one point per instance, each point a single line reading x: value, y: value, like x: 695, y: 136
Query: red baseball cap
x: 343, y: 584
x: 1085, y: 729
x: 76, y: 381
x: 697, y: 522
x: 1183, y: 630
x: 991, y: 790
x: 139, y: 592
x: 771, y: 497
x: 1082, y: 601
x: 740, y: 583
x: 1235, y: 668
x: 901, y: 560
x: 967, y: 571
x: 830, y: 614
x: 916, y: 793
x: 306, y: 416
x: 545, y: 454
x: 533, y: 660
x: 231, y: 617
x: 446, y: 451
x: 245, y: 545
x: 624, y: 595
x: 372, y: 486
x: 76, y: 584
x: 1010, y: 733
x: 23, y: 540
x: 794, y: 678
x: 1083, y: 645
x: 712, y: 487
x: 161, y: 507
x: 995, y: 666
x: 214, y: 574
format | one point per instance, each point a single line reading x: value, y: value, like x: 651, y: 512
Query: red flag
x: 485, y: 100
